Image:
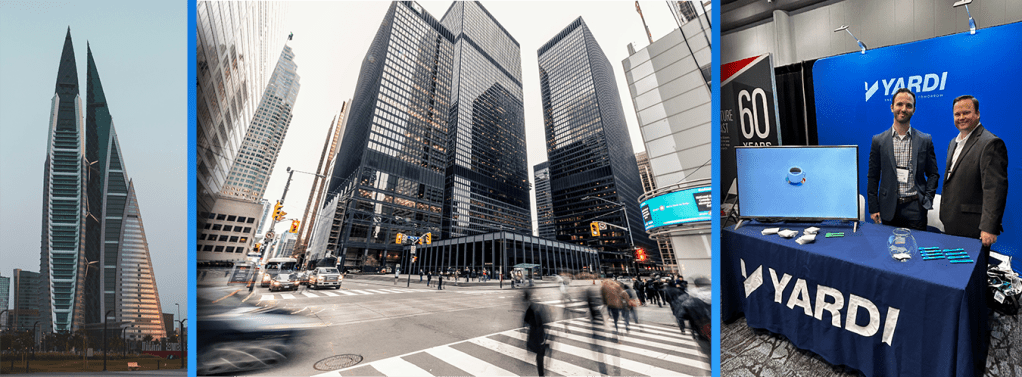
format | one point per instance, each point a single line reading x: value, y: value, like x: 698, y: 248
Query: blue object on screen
x: 678, y: 207
x: 804, y: 182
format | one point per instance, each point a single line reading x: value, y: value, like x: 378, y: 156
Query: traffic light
x: 257, y: 246
x: 429, y: 238
x: 594, y: 227
x: 414, y: 259
x: 640, y: 254
x: 294, y: 226
x: 399, y: 239
x: 276, y: 211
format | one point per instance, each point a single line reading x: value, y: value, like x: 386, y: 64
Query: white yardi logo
x: 918, y: 84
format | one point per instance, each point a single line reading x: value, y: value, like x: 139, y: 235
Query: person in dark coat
x: 535, y: 318
x: 640, y: 291
x: 651, y: 293
x: 440, y: 281
x: 429, y: 278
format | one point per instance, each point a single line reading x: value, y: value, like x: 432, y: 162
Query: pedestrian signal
x: 400, y: 238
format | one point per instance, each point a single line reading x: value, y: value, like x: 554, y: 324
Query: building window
x: 232, y: 218
x: 244, y: 239
x: 234, y: 238
x: 218, y: 249
x: 227, y: 228
x: 223, y: 238
x: 247, y: 230
x: 217, y: 226
x: 208, y: 225
x: 207, y: 248
x: 242, y: 219
x: 251, y: 220
x: 221, y: 216
x: 230, y: 249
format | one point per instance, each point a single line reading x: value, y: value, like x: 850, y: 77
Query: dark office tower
x: 487, y: 177
x: 62, y: 265
x: 391, y: 163
x: 27, y: 307
x: 544, y: 203
x: 590, y: 153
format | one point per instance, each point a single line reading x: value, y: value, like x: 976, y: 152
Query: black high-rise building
x: 544, y: 203
x: 435, y: 141
x: 486, y: 179
x: 593, y: 173
x: 391, y: 165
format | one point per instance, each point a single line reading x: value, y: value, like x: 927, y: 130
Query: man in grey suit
x: 902, y: 176
x: 976, y: 182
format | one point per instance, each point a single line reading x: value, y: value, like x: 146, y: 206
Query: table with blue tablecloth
x: 849, y: 301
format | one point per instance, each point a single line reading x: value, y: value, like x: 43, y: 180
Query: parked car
x: 324, y: 277
x: 284, y: 281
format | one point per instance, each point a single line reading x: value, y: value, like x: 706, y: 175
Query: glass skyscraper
x: 544, y: 203
x: 258, y: 153
x: 487, y: 177
x: 588, y: 147
x: 235, y: 46
x: 391, y: 165
x: 94, y: 255
x: 62, y: 262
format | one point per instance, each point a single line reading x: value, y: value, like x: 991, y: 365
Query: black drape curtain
x: 796, y: 104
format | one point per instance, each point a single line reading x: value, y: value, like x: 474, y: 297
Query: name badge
x: 902, y: 175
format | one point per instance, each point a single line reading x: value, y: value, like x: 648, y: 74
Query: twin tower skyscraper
x: 94, y: 256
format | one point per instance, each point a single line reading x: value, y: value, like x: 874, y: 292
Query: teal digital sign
x: 678, y: 207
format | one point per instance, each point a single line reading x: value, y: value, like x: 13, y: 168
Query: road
x: 470, y: 331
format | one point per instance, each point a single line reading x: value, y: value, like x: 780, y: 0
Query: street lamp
x: 105, y: 316
x: 33, y: 339
x: 125, y: 340
x: 624, y: 212
x: 180, y: 338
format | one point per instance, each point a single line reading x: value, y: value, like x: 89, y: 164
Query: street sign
x: 413, y: 249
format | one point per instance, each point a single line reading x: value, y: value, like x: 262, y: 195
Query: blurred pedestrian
x: 630, y: 305
x: 611, y: 293
x: 639, y: 291
x: 420, y: 275
x: 695, y: 308
x: 593, y: 300
x: 651, y: 294
x: 535, y: 318
x: 440, y: 281
x: 429, y: 278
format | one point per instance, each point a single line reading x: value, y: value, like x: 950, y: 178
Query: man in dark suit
x: 976, y: 182
x: 902, y: 177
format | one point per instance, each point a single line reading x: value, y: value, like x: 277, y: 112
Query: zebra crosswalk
x: 341, y: 292
x: 579, y: 347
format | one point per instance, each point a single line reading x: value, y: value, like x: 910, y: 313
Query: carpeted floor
x: 747, y: 352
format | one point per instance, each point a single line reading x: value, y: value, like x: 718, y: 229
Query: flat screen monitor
x: 798, y: 182
x: 678, y: 207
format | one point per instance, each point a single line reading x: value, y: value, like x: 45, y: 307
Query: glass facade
x: 666, y: 252
x: 588, y: 148
x: 258, y: 153
x: 63, y: 247
x: 390, y: 169
x: 544, y: 202
x: 500, y: 251
x: 235, y: 46
x: 486, y: 178
x: 138, y: 298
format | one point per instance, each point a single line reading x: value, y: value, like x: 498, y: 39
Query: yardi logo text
x: 918, y: 84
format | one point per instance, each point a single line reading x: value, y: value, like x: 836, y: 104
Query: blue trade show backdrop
x: 853, y: 101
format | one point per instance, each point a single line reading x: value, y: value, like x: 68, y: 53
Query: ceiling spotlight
x: 862, y: 46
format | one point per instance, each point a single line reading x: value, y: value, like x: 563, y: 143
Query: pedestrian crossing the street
x: 578, y: 347
x: 342, y: 292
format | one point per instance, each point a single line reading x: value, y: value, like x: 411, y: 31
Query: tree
x: 147, y: 338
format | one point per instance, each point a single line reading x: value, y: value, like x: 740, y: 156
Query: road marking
x: 551, y: 364
x: 399, y: 367
x: 310, y: 294
x: 361, y: 292
x: 266, y: 298
x: 633, y: 365
x: 641, y: 351
x: 467, y: 362
x: 349, y: 293
x: 675, y: 339
x: 331, y: 294
x: 286, y: 296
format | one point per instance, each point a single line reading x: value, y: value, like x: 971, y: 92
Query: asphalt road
x: 466, y: 331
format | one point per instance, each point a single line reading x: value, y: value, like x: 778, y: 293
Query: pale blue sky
x: 140, y: 49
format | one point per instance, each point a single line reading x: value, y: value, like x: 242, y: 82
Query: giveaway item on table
x: 769, y: 231
x: 811, y: 230
x: 806, y: 238
x: 901, y: 244
x: 787, y: 233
